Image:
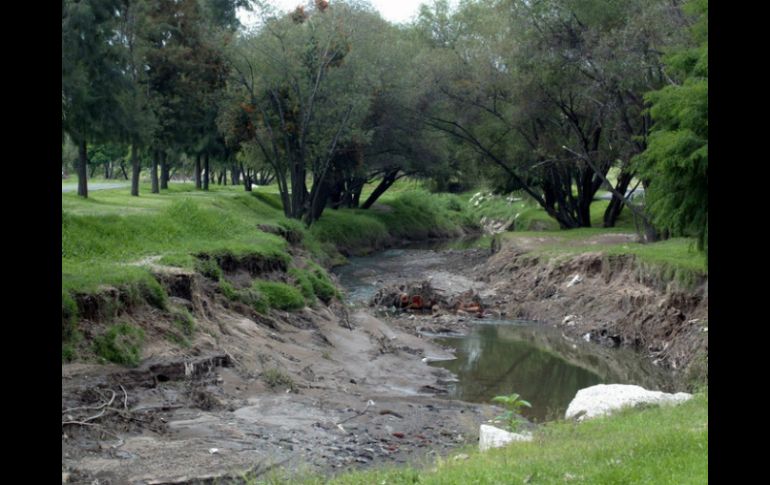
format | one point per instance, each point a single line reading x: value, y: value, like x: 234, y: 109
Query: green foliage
x: 676, y: 158
x: 323, y: 287
x: 209, y: 268
x: 121, y: 344
x: 665, y: 445
x: 278, y: 378
x: 280, y: 295
x: 255, y: 299
x: 513, y: 403
x: 69, y: 316
x: 228, y: 290
x: 179, y: 260
x: 303, y: 282
x: 184, y: 321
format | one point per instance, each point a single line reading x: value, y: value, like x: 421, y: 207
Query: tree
x: 676, y: 158
x: 306, y: 88
x: 91, y: 76
x: 549, y: 92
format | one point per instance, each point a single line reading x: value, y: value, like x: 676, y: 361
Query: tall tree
x: 676, y: 158
x: 91, y: 76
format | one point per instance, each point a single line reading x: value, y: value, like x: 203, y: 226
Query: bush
x: 276, y: 378
x: 227, y: 290
x: 121, y: 344
x: 322, y: 285
x: 302, y: 279
x: 255, y: 299
x: 280, y: 295
x: 209, y: 268
x: 69, y: 316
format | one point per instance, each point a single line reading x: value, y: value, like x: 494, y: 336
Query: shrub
x: 255, y: 299
x: 302, y: 279
x: 276, y: 378
x: 280, y: 295
x: 121, y: 344
x: 209, y: 268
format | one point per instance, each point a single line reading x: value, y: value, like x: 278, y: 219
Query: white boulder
x: 491, y: 437
x: 604, y: 398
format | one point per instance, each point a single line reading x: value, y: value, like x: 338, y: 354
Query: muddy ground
x: 333, y: 387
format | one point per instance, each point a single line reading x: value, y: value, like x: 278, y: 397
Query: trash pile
x: 424, y: 298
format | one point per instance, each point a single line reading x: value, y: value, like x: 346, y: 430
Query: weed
x: 513, y: 404
x: 277, y: 378
x: 121, y: 344
x: 208, y: 267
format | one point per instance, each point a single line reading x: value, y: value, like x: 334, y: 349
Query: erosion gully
x: 362, y: 394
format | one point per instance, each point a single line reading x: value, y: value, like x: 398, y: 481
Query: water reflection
x: 540, y: 364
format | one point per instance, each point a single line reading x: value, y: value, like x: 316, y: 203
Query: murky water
x: 539, y: 363
x: 500, y: 357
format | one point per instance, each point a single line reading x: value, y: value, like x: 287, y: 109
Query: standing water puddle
x: 500, y: 357
x: 540, y: 364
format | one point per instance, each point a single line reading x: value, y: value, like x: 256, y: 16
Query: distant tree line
x: 544, y: 96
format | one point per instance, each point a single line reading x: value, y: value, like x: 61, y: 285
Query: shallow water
x: 540, y: 364
x: 500, y: 357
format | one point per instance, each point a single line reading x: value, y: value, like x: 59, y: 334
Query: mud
x: 334, y: 387
x: 300, y: 391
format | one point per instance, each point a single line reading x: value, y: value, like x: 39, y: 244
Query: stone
x: 603, y: 399
x: 491, y: 437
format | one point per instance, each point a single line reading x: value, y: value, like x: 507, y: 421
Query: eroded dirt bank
x: 611, y: 300
x: 328, y: 387
x: 315, y: 390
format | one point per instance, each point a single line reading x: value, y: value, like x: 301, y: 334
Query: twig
x: 358, y: 413
x: 79, y: 408
x: 125, y: 397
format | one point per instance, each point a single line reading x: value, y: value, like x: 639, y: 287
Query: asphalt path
x: 95, y: 186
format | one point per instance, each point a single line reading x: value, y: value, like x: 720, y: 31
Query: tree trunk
x: 123, y: 169
x: 107, y: 170
x: 616, y: 204
x: 154, y: 172
x: 206, y: 171
x: 93, y: 169
x: 235, y: 175
x: 247, y: 180
x: 135, y: 169
x: 387, y: 180
x: 197, y: 170
x: 164, y: 171
x: 81, y: 169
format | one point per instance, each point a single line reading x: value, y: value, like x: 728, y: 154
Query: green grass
x: 673, y: 259
x: 121, y: 344
x: 280, y: 295
x: 659, y: 445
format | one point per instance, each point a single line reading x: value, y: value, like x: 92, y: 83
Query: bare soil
x: 333, y: 387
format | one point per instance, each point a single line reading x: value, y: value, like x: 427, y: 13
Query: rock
x: 575, y: 280
x: 604, y: 398
x: 569, y: 320
x: 491, y: 437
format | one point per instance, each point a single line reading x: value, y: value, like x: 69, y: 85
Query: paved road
x: 95, y: 186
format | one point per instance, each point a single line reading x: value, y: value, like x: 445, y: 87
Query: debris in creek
x: 423, y: 297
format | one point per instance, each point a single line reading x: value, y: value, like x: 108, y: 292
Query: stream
x: 497, y: 356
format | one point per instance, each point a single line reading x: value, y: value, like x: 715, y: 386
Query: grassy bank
x: 659, y: 445
x: 110, y: 241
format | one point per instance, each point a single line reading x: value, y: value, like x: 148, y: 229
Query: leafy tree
x: 91, y: 76
x: 676, y: 158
